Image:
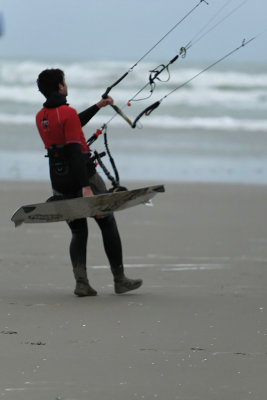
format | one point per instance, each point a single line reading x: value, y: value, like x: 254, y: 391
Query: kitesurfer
x: 73, y: 174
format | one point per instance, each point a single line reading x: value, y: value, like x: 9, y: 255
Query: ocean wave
x: 227, y: 90
x: 12, y: 71
x: 221, y: 79
x: 166, y: 122
x: 103, y: 73
x: 193, y: 97
x: 20, y: 94
x: 221, y: 123
x: 17, y: 119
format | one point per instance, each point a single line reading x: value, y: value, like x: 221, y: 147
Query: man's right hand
x: 107, y: 101
x: 87, y: 191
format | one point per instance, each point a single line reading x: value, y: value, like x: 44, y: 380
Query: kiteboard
x: 83, y: 207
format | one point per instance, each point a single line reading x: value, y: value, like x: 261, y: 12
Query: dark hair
x: 48, y: 81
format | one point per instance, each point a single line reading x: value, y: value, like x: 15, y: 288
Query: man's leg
x: 113, y: 249
x: 112, y: 243
x: 78, y: 247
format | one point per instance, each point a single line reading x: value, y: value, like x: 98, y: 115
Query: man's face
x: 63, y: 89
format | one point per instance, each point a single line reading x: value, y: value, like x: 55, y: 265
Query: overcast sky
x: 125, y: 30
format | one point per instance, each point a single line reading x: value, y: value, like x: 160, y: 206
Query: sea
x: 212, y: 129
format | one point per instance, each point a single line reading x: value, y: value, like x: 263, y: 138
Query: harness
x: 58, y: 160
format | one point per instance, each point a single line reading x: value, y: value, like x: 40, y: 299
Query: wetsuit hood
x: 55, y: 100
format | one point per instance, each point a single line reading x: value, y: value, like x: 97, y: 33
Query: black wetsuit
x: 71, y: 169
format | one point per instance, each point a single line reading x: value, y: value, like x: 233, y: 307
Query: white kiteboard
x: 83, y: 207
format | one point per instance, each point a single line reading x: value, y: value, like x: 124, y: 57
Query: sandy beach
x: 196, y: 329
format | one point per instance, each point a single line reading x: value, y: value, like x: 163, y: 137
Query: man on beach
x: 73, y: 174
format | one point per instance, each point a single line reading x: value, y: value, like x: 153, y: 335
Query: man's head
x: 52, y: 80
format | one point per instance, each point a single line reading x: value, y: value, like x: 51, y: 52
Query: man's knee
x: 79, y: 227
x: 106, y: 221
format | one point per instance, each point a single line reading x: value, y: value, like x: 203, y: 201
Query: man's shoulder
x: 67, y: 110
x: 40, y: 112
x: 64, y: 112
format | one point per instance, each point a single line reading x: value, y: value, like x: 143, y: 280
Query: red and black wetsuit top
x: 60, y: 125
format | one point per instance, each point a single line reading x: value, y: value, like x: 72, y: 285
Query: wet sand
x: 196, y: 329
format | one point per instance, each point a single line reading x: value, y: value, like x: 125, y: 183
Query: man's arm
x: 88, y: 114
x: 78, y: 167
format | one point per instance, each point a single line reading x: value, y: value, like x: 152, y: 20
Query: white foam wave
x: 203, y: 97
x: 222, y: 123
x: 229, y: 89
x: 221, y: 79
x: 103, y: 73
x: 17, y: 119
x: 164, y: 122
